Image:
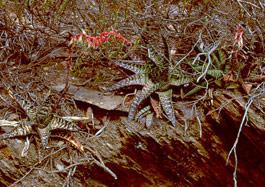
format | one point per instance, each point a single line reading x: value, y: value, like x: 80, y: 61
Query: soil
x: 109, y: 153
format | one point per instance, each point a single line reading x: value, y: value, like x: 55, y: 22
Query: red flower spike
x: 96, y: 41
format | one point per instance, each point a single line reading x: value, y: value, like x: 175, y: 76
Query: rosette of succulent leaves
x: 208, y: 67
x: 160, y: 74
x: 40, y: 118
x: 157, y: 75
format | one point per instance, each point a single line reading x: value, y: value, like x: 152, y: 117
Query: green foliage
x: 181, y: 80
x: 215, y: 73
x: 79, y: 69
x: 143, y: 112
x: 216, y: 69
x: 196, y: 89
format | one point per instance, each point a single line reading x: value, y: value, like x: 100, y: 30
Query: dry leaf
x: 232, y: 86
x: 173, y: 51
x: 247, y: 87
x: 93, y: 97
x: 228, y: 78
x: 156, y: 106
x: 171, y: 27
x: 89, y: 113
x: 73, y: 142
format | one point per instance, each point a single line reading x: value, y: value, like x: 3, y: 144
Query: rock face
x: 159, y: 156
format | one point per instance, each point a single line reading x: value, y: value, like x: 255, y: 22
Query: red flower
x: 96, y: 41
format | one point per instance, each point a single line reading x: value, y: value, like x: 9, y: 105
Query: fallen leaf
x: 171, y: 27
x: 89, y: 113
x: 247, y: 87
x: 232, y: 86
x: 94, y: 97
x: 156, y: 106
x: 228, y: 78
x: 74, y: 142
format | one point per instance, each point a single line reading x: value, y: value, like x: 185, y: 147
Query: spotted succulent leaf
x: 60, y: 123
x: 216, y: 73
x: 22, y: 129
x: 219, y: 58
x: 135, y: 68
x: 180, y: 81
x: 147, y: 90
x: 137, y: 79
x: 44, y: 134
x: 142, y: 112
x: 27, y: 106
x: 155, y: 57
x: 149, y: 120
x: 222, y: 56
x: 55, y: 123
x: 166, y: 103
x: 215, y: 59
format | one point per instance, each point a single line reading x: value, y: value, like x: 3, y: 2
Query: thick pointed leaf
x: 59, y: 123
x: 142, y: 112
x: 147, y: 90
x: 166, y: 102
x: 43, y: 113
x: 222, y: 57
x: 215, y: 60
x: 155, y: 57
x: 137, y: 79
x: 196, y: 89
x: 136, y: 68
x: 22, y: 129
x: 180, y: 81
x: 55, y: 123
x: 24, y: 104
x: 216, y: 73
x: 149, y: 120
x: 44, y: 134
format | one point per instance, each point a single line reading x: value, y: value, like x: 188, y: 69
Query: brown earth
x: 118, y: 155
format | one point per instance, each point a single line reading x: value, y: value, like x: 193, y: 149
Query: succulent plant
x: 157, y: 75
x: 39, y: 117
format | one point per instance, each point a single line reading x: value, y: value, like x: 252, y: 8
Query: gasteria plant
x: 39, y: 117
x: 156, y: 76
